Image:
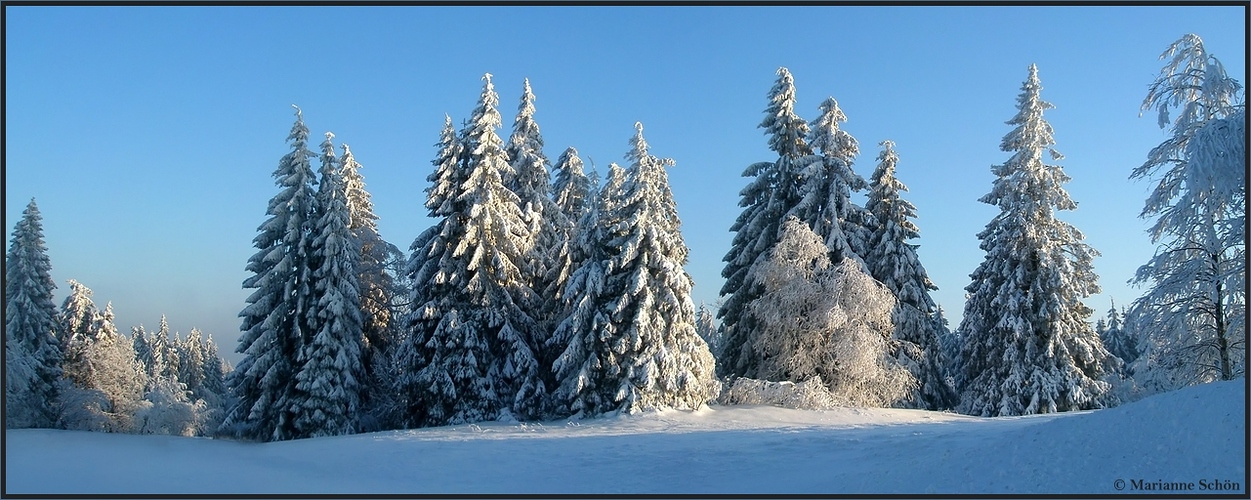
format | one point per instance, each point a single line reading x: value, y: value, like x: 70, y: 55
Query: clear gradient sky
x: 148, y: 135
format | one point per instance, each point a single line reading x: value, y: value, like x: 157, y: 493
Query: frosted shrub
x: 808, y: 395
x: 166, y: 410
x: 831, y: 322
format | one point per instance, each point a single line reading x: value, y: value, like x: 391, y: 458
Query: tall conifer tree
x: 893, y: 261
x: 275, y: 321
x: 1028, y: 347
x: 33, y: 355
x: 773, y: 192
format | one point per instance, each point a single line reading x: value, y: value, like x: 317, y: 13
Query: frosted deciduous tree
x: 1193, y: 313
x: 275, y: 321
x: 774, y: 191
x: 1028, y: 347
x: 104, y: 383
x: 893, y: 261
x: 818, y: 320
x: 32, y: 352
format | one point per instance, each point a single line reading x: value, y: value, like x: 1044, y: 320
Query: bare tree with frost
x: 1192, y: 316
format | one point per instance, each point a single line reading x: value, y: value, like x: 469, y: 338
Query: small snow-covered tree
x: 571, y: 188
x: 1193, y: 313
x: 774, y: 191
x: 167, y: 409
x: 215, y: 395
x: 1028, y: 347
x: 894, y: 262
x: 275, y: 321
x: 824, y: 321
x: 165, y: 355
x: 32, y: 352
x: 191, y: 363
x: 1116, y: 338
x: 326, y: 401
x: 706, y: 327
x: 77, y: 319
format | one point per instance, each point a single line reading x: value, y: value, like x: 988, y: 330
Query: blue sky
x: 148, y: 135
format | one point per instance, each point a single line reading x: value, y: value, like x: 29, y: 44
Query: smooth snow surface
x: 1185, y: 436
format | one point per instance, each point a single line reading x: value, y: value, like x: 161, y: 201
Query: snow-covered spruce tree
x: 647, y: 354
x: 706, y: 327
x: 532, y: 182
x: 774, y: 191
x: 215, y: 370
x: 572, y: 193
x: 165, y: 355
x: 326, y: 401
x: 893, y: 261
x: 191, y: 363
x: 571, y: 188
x: 32, y: 353
x: 377, y: 295
x: 413, y: 392
x: 275, y: 321
x: 1193, y: 313
x: 823, y: 321
x: 585, y: 361
x: 828, y: 181
x: 1028, y: 347
x: 1116, y: 338
x: 469, y: 357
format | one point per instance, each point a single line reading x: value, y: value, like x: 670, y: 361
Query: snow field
x: 1188, y: 435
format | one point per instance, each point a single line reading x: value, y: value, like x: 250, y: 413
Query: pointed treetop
x: 787, y: 130
x: 638, y: 145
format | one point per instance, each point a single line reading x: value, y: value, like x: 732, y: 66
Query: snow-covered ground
x: 1188, y: 436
